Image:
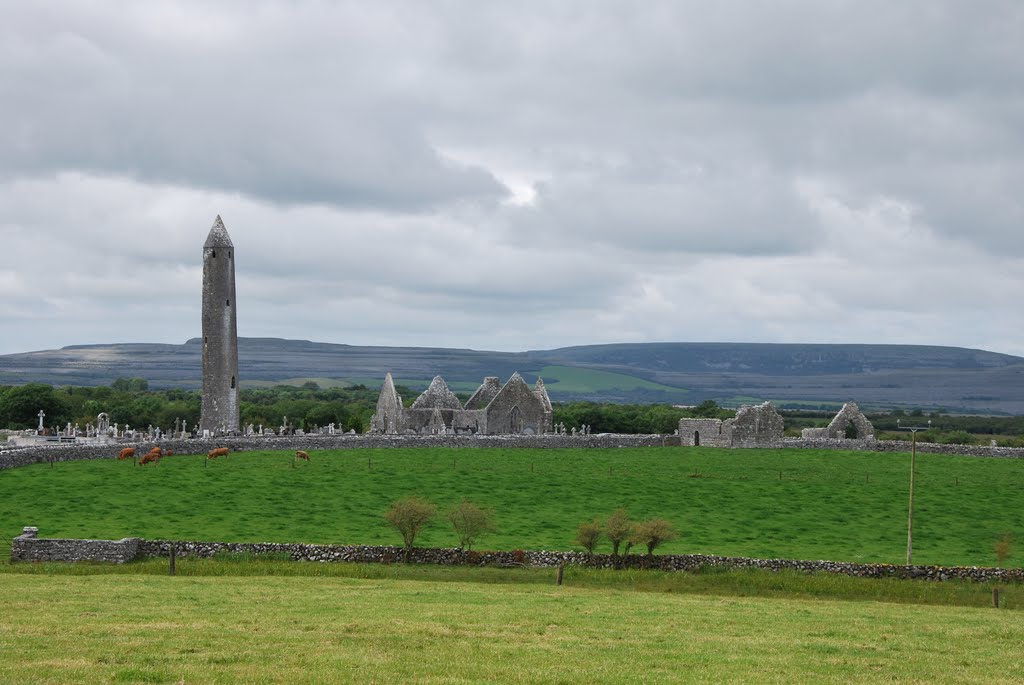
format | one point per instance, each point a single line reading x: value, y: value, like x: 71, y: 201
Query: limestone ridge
x: 220, y: 410
x: 494, y: 409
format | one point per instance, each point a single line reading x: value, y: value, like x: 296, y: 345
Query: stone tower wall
x: 220, y: 334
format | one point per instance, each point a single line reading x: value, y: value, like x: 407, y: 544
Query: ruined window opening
x: 232, y: 382
x: 213, y: 253
x: 205, y: 340
x: 228, y: 304
x: 696, y: 438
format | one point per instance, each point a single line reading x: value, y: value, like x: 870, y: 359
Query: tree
x: 619, y: 529
x: 653, y: 533
x: 130, y: 384
x: 409, y: 516
x: 20, y: 406
x: 707, y: 409
x: 589, y: 534
x: 470, y: 521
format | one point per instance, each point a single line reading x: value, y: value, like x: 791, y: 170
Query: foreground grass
x: 766, y: 503
x: 230, y: 629
x: 709, y: 581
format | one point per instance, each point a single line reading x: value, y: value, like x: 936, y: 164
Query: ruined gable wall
x: 759, y: 426
x: 851, y: 414
x: 388, y: 417
x: 712, y: 433
x: 531, y: 410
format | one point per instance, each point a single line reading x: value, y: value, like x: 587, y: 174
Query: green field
x: 766, y: 503
x: 156, y: 629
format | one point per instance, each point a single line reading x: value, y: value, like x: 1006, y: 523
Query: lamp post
x: 910, y: 507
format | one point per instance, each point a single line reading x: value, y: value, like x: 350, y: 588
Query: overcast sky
x: 514, y: 176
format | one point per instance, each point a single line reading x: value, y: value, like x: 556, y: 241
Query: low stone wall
x: 548, y: 559
x: 904, y: 446
x: 45, y: 454
x: 12, y: 458
x: 29, y: 547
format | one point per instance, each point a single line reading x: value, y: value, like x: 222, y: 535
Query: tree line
x: 131, y: 401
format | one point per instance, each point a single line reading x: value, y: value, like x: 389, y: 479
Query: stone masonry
x: 220, y: 411
x: 753, y: 426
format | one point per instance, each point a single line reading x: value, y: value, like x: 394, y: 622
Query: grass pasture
x: 767, y: 503
x: 146, y: 629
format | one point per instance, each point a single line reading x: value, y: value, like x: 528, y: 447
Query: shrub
x: 589, y: 534
x: 619, y: 530
x: 653, y: 533
x: 409, y: 516
x: 470, y: 521
x: 957, y: 438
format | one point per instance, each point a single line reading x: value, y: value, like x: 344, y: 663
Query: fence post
x: 561, y: 573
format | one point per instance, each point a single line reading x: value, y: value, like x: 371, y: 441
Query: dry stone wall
x: 31, y: 548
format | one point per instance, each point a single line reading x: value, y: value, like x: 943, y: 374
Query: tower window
x: 232, y: 382
x: 213, y: 253
x: 205, y: 340
x: 229, y: 303
x: 229, y: 254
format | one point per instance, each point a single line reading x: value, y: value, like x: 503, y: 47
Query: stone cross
x: 42, y: 415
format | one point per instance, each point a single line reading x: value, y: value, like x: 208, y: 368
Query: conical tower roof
x: 218, y: 235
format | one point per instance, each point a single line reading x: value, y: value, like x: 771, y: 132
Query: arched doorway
x: 515, y: 420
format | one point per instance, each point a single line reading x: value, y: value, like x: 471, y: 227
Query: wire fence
x: 5, y: 549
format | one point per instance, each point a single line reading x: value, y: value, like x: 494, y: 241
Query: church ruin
x: 494, y: 409
x: 753, y: 426
x: 849, y: 424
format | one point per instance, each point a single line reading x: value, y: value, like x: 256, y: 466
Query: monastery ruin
x: 494, y: 409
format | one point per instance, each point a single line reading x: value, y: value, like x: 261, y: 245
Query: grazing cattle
x: 219, y: 452
x: 299, y: 454
x: 126, y: 453
x: 151, y: 457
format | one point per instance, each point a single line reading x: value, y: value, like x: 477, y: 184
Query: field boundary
x: 30, y: 548
x: 25, y: 456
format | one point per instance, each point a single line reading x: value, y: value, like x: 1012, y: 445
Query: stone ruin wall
x: 704, y: 432
x: 850, y: 414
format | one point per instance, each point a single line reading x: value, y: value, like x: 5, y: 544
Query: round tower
x: 220, y: 333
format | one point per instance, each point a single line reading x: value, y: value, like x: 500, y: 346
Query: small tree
x: 470, y: 521
x: 653, y: 533
x: 619, y: 530
x: 409, y: 516
x: 589, y: 534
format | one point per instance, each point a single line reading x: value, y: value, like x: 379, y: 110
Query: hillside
x: 955, y: 379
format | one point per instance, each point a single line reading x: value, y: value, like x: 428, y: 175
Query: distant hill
x: 951, y: 378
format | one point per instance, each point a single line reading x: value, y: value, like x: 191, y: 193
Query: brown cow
x: 299, y: 454
x: 152, y: 456
x: 219, y: 452
x: 126, y: 453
